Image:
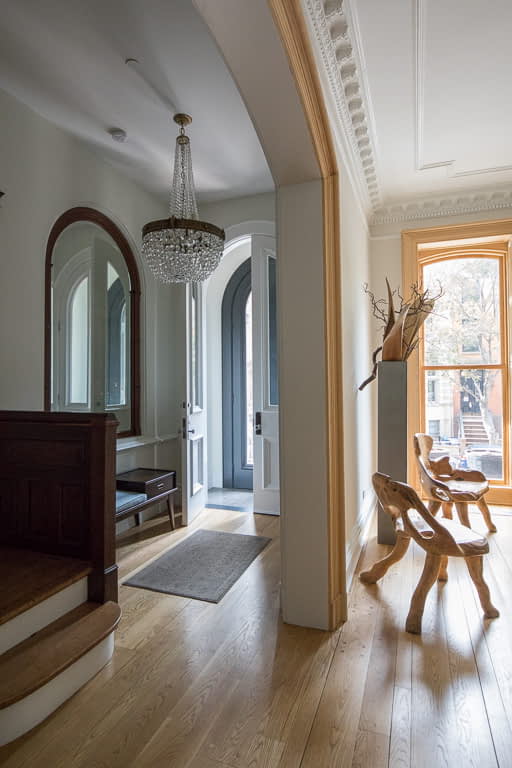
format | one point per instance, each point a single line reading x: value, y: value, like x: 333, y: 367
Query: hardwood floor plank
x: 182, y: 733
x: 195, y: 665
x: 261, y: 707
x: 333, y: 735
x: 433, y: 730
x: 380, y: 680
x: 299, y: 723
x: 472, y: 726
x: 501, y: 731
x: 400, y: 739
x: 371, y: 750
x: 196, y: 685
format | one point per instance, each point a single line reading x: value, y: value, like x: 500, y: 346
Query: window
x: 92, y: 311
x: 78, y: 342
x: 462, y: 345
x: 431, y: 388
x: 434, y: 428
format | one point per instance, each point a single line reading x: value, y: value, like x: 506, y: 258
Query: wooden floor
x: 196, y: 685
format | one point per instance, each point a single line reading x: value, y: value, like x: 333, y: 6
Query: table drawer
x: 160, y: 485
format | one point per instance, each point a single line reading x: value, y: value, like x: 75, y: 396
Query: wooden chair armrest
x: 441, y: 539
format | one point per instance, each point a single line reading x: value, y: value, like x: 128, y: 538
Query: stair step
x: 32, y: 577
x: 37, y: 660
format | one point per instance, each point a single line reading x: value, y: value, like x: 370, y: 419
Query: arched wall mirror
x: 92, y: 319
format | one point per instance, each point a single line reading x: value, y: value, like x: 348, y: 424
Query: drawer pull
x: 160, y: 485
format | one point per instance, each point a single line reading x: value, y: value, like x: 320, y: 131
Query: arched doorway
x: 237, y: 392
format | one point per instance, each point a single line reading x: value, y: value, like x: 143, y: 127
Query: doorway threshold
x: 230, y: 498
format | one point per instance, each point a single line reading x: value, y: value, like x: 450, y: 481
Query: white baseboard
x: 25, y: 624
x: 359, y: 535
x: 25, y: 714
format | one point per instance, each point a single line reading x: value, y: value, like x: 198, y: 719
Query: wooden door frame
x: 478, y: 235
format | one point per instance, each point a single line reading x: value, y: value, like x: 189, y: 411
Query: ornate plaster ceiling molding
x: 342, y: 55
x: 454, y: 205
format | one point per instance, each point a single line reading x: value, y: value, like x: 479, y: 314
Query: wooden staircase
x: 474, y: 430
x: 58, y: 602
x: 53, y: 640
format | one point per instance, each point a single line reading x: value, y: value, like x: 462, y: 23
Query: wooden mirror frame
x: 80, y: 214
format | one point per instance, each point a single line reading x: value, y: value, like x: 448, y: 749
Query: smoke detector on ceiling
x: 117, y: 134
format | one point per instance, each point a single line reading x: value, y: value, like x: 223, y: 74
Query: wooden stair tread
x: 35, y: 661
x: 31, y: 577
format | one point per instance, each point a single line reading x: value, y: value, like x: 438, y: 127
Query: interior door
x: 265, y: 380
x: 194, y: 468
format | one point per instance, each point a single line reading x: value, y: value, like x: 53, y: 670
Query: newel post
x: 103, y: 579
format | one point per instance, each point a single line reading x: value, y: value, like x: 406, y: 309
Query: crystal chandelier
x: 182, y: 249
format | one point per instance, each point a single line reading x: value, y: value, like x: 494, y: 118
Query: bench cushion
x: 127, y: 499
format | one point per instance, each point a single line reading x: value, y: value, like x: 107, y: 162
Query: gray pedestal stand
x: 392, y: 433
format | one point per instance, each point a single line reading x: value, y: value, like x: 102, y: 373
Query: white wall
x: 302, y: 421
x: 358, y: 417
x: 45, y: 172
x: 386, y: 243
x: 236, y: 211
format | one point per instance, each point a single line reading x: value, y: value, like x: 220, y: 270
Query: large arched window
x: 92, y: 319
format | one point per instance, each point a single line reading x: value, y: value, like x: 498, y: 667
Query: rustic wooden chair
x: 439, y: 538
x: 446, y: 486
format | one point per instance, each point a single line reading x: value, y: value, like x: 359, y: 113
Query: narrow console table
x: 140, y: 488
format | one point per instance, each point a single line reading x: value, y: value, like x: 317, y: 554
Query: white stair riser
x: 25, y: 624
x: 32, y: 710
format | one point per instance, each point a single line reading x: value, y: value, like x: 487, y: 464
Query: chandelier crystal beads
x: 182, y: 249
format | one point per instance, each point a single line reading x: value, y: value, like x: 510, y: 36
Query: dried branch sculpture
x: 401, y: 326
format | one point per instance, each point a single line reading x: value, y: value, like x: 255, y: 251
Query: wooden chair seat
x: 466, y: 488
x: 468, y: 541
x: 439, y: 538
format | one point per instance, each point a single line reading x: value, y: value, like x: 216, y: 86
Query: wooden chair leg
x: 448, y: 510
x: 378, y: 570
x: 428, y: 577
x: 462, y: 511
x: 433, y: 507
x: 476, y: 571
x: 443, y: 569
x: 170, y: 511
x: 484, y: 509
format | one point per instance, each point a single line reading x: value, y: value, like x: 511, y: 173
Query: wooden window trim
x: 78, y: 214
x: 420, y: 246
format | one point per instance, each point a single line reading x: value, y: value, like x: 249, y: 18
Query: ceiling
x: 438, y: 79
x: 66, y: 60
x: 420, y: 92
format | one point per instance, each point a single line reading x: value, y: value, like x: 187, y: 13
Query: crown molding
x: 336, y: 33
x: 443, y: 205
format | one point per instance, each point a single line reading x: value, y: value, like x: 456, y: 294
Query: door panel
x: 265, y: 384
x: 194, y: 454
